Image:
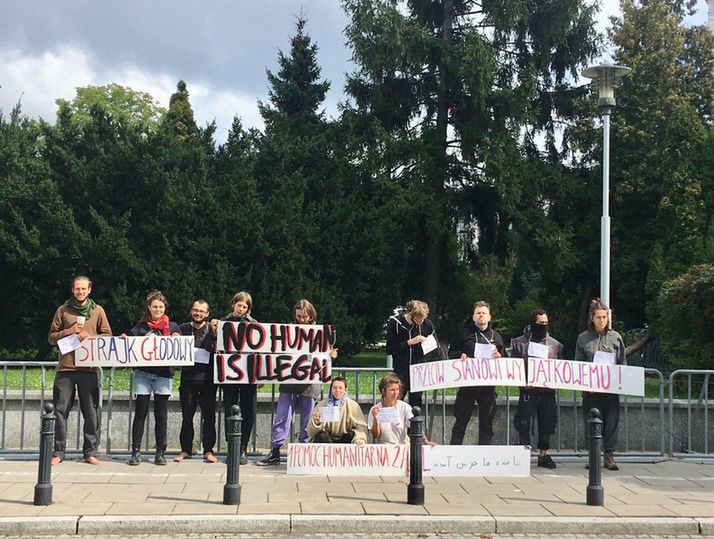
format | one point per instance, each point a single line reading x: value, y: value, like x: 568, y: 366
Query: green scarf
x: 85, y: 310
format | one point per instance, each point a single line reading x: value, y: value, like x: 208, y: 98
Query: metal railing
x: 647, y: 426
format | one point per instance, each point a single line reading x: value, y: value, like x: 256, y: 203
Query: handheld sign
x: 251, y: 352
x: 491, y: 371
x: 148, y: 351
x: 348, y: 459
x: 328, y: 414
x: 477, y: 461
x: 586, y: 376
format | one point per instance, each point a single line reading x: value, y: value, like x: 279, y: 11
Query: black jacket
x: 199, y: 373
x: 399, y: 331
x: 465, y: 341
x: 142, y: 329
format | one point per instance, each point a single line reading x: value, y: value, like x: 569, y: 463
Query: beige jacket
x: 351, y: 419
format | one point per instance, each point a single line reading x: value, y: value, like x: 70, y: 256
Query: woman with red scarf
x: 148, y: 380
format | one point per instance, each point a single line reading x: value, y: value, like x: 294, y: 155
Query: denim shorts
x: 146, y: 383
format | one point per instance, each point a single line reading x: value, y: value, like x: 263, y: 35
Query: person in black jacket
x: 148, y: 380
x: 245, y: 395
x: 477, y: 329
x: 197, y: 388
x: 405, y: 334
x: 538, y: 402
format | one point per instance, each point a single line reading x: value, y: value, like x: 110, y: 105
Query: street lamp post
x: 605, y: 77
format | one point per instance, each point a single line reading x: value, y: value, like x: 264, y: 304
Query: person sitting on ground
x: 351, y: 426
x: 390, y: 386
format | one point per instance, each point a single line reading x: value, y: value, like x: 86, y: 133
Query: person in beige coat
x: 351, y: 426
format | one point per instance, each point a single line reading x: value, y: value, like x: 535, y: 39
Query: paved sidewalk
x: 669, y: 497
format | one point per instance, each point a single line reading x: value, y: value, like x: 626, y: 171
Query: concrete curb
x: 171, y: 525
x: 391, y: 524
x: 302, y: 524
x: 599, y: 525
x: 38, y: 525
x: 706, y: 526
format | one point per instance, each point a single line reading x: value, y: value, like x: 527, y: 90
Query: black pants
x: 323, y: 437
x: 161, y: 407
x: 67, y: 385
x: 609, y: 406
x: 191, y: 396
x: 540, y: 404
x: 414, y: 399
x: 245, y: 396
x: 466, y: 399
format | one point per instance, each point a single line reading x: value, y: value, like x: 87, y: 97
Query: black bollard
x: 415, y: 490
x: 595, y: 494
x: 43, y: 488
x: 231, y: 490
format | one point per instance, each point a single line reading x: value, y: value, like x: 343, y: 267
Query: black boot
x: 159, y: 458
x: 273, y: 459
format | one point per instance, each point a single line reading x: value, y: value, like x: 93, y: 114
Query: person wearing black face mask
x: 535, y: 401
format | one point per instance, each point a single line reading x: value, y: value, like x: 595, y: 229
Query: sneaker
x: 91, y: 459
x: 273, y: 459
x: 210, y: 457
x: 243, y: 457
x: 544, y: 461
x: 159, y: 459
x: 609, y: 461
x: 135, y: 459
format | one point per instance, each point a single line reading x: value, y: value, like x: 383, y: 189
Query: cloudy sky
x: 221, y: 48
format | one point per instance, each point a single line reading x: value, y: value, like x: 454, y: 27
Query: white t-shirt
x: 393, y: 433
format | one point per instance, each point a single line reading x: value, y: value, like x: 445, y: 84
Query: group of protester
x: 406, y: 332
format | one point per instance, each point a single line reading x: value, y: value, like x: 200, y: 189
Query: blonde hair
x: 245, y: 297
x: 414, y: 306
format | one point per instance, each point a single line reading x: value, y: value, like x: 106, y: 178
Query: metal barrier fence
x: 697, y: 426
x: 643, y: 424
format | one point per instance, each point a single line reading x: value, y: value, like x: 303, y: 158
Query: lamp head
x: 605, y: 77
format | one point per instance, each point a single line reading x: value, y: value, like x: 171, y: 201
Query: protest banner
x: 257, y: 338
x: 502, y: 371
x: 348, y: 459
x: 586, y: 376
x: 272, y: 368
x: 476, y: 461
x: 148, y: 351
x: 272, y: 353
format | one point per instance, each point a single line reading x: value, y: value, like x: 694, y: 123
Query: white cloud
x: 38, y: 80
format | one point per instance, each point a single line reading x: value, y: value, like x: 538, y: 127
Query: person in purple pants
x: 294, y: 396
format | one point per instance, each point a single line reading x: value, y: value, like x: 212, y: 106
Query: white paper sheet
x: 429, y: 344
x: 483, y: 350
x: 388, y: 414
x: 69, y: 344
x: 329, y: 414
x: 201, y: 355
x: 604, y: 358
x: 537, y: 350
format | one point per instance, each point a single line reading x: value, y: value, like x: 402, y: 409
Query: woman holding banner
x: 148, y: 380
x: 600, y: 344
x: 338, y: 419
x: 292, y: 396
x: 245, y: 395
x: 406, y: 335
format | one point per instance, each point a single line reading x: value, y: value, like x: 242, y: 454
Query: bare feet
x: 91, y: 459
x: 56, y: 460
x: 210, y: 457
x: 182, y: 455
